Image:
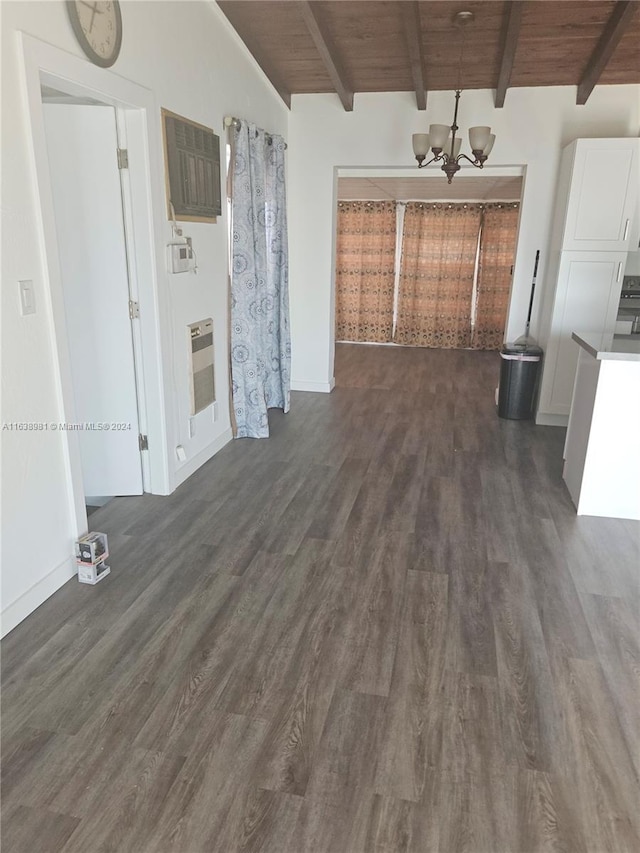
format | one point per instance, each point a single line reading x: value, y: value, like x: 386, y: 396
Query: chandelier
x: 442, y: 140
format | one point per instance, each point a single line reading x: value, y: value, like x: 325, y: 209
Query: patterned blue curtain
x: 260, y: 337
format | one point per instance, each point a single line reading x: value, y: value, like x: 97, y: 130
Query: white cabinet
x: 587, y: 296
x: 603, y: 194
x: 600, y: 473
x: 595, y: 225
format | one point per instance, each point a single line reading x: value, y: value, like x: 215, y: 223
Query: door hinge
x: 143, y: 442
x: 134, y: 310
x: 123, y: 158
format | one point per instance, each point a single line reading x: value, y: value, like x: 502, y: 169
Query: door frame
x: 137, y: 115
x: 122, y: 237
x: 493, y: 171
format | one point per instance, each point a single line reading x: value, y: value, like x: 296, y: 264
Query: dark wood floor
x: 382, y: 630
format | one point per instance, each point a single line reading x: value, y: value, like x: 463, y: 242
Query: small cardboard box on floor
x: 91, y: 552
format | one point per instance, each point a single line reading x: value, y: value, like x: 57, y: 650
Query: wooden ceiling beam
x: 413, y: 34
x: 326, y: 47
x: 253, y: 46
x: 513, y: 19
x: 623, y: 12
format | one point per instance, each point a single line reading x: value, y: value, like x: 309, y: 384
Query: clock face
x: 98, y: 27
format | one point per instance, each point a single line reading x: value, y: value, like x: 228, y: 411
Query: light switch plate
x: 27, y: 297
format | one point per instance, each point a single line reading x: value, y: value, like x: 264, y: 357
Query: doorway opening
x: 423, y: 263
x: 95, y: 256
x: 56, y: 80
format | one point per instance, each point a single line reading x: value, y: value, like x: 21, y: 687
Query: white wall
x: 190, y: 58
x: 531, y: 130
x: 633, y: 264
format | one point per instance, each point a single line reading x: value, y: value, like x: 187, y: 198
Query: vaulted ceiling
x: 348, y: 47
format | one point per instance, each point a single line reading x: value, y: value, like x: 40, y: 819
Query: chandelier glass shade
x: 445, y: 145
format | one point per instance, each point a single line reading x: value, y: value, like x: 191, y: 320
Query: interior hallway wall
x: 187, y: 54
x: 531, y: 130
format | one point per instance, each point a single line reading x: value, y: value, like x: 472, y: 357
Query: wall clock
x: 98, y: 28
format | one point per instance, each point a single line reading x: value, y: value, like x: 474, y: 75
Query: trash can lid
x: 521, y: 349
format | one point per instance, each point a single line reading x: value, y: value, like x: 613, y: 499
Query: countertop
x: 608, y: 347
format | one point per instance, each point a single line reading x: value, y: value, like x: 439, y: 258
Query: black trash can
x: 519, y: 371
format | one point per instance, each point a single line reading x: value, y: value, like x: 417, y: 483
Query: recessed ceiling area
x: 433, y: 188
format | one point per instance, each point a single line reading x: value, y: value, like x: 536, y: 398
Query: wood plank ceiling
x: 348, y: 47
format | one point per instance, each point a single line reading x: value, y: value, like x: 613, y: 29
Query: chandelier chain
x: 462, y: 37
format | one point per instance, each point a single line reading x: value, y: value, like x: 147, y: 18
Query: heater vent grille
x: 201, y: 365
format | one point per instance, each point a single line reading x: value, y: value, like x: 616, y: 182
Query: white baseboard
x: 191, y: 465
x: 93, y: 500
x: 547, y: 419
x: 317, y: 387
x: 14, y: 613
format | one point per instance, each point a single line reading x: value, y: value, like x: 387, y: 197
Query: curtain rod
x: 232, y: 121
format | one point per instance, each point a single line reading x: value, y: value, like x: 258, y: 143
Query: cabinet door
x: 586, y: 300
x: 603, y: 197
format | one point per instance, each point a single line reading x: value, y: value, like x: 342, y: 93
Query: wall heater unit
x: 201, y: 365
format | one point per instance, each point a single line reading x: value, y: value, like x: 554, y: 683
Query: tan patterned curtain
x: 439, y: 247
x: 497, y: 251
x: 365, y: 270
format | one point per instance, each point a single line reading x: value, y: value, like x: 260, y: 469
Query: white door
x: 82, y: 148
x: 587, y: 299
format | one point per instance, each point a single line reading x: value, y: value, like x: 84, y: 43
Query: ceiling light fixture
x: 442, y: 140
